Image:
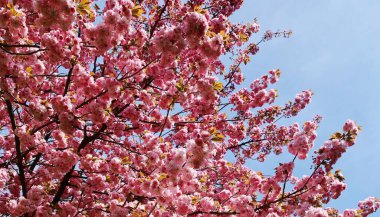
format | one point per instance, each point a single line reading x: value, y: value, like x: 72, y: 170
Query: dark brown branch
x: 150, y: 122
x: 286, y: 177
x: 158, y: 19
x: 68, y: 80
x: 166, y: 119
x: 117, y: 110
x: 234, y: 70
x: 49, y: 76
x: 151, y: 211
x: 38, y: 155
x: 19, y: 163
x: 91, y: 99
x: 65, y: 181
x: 21, y: 54
x: 19, y: 45
x: 213, y: 213
x: 291, y: 194
x: 231, y: 77
x: 245, y: 143
x: 62, y: 186
x: 138, y: 71
x: 86, y: 140
x: 121, y: 145
x: 35, y: 161
x: 44, y: 125
x: 94, y: 69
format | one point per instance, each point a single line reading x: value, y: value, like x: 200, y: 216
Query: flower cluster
x: 303, y: 141
x: 300, y: 102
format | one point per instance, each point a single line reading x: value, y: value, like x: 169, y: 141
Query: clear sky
x: 334, y: 51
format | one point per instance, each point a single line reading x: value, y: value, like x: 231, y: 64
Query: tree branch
x: 91, y: 99
x: 65, y: 181
x: 213, y: 213
x: 244, y: 143
x: 38, y: 155
x: 21, y: 54
x: 19, y: 45
x: 158, y: 19
x: 19, y: 163
x: 291, y: 194
x: 68, y: 80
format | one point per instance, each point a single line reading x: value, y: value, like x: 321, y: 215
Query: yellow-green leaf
x: 29, y: 70
x: 179, y: 85
x: 137, y: 11
x: 218, y: 137
x: 199, y: 9
x: 243, y: 37
x: 194, y: 200
x: 218, y: 86
x: 203, y: 179
x: 213, y: 130
x: 339, y: 175
x: 14, y: 12
x: 84, y: 8
x: 224, y: 35
x: 336, y: 135
x: 246, y: 59
x: 259, y: 173
x: 278, y: 72
x: 162, y: 176
x: 126, y: 160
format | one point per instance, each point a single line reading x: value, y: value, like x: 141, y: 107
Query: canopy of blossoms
x: 124, y: 108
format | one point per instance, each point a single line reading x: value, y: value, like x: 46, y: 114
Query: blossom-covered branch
x: 124, y: 108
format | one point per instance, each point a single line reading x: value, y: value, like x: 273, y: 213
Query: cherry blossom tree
x: 124, y: 108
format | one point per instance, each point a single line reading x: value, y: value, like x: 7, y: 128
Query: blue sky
x: 334, y: 51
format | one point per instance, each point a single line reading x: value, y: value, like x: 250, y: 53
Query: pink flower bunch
x: 54, y: 42
x: 225, y: 7
x: 170, y: 43
x: 63, y: 161
x: 212, y: 48
x: 270, y: 188
x: 257, y: 97
x: 116, y: 21
x: 195, y: 26
x: 299, y: 103
x: 39, y: 111
x: 184, y: 205
x: 57, y: 14
x: 284, y: 171
x: 15, y: 24
x: 316, y: 212
x: 4, y: 177
x: 369, y: 205
x: 218, y: 24
x: 303, y: 141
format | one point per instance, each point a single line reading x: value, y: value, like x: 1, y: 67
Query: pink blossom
x: 125, y: 107
x: 349, y: 213
x: 316, y: 212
